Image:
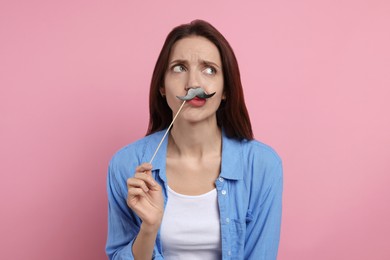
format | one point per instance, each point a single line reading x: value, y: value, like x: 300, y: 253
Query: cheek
x: 175, y: 78
x: 216, y: 100
x: 173, y: 102
x: 217, y: 85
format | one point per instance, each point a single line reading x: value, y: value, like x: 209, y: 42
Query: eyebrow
x: 178, y: 61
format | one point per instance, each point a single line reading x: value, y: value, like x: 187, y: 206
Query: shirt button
x: 223, y: 192
x: 220, y: 179
x: 229, y: 252
x: 227, y: 220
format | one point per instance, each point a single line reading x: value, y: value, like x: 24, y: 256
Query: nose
x: 193, y: 80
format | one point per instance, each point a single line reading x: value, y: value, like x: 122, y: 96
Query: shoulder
x: 134, y: 149
x: 262, y: 160
x: 249, y: 149
x: 133, y: 154
x: 249, y: 159
x: 260, y: 151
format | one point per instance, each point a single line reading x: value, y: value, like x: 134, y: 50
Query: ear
x: 162, y: 91
x: 224, y: 96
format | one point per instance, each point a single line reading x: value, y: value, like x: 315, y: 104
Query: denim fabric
x: 249, y: 198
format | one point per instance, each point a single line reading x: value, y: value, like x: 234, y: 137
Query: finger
x: 146, y: 178
x: 137, y: 183
x: 144, y: 167
x: 133, y: 196
x: 134, y: 192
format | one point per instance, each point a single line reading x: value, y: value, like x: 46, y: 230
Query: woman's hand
x: 145, y: 197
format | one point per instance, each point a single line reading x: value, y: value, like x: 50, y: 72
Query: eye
x: 178, y: 68
x: 210, y: 70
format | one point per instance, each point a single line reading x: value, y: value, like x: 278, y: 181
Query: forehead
x: 195, y: 48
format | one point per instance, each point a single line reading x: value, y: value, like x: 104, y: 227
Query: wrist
x: 148, y: 228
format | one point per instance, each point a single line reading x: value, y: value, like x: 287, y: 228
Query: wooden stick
x: 166, y: 132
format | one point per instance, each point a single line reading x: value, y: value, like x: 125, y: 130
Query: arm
x: 123, y: 224
x: 263, y: 231
x: 146, y: 200
x: 144, y: 243
x: 127, y: 237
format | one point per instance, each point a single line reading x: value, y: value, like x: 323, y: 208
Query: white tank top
x: 190, y: 227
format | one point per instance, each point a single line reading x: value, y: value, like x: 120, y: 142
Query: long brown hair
x: 232, y: 114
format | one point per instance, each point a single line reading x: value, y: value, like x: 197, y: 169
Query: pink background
x: 74, y: 78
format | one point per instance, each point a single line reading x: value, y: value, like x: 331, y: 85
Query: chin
x: 195, y: 118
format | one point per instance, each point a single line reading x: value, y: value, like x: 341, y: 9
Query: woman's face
x: 194, y: 62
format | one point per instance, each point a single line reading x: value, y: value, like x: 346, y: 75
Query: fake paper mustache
x: 195, y: 92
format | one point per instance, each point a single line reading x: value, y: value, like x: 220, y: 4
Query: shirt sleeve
x: 123, y: 226
x: 263, y: 231
x: 123, y: 223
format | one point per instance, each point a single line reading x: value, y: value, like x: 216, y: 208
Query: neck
x: 195, y: 140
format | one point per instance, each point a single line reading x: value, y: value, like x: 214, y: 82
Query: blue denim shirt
x: 249, y: 198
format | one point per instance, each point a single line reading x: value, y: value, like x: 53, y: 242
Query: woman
x: 213, y: 192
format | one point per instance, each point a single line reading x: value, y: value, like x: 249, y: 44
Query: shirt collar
x: 159, y: 161
x: 151, y: 146
x: 232, y: 158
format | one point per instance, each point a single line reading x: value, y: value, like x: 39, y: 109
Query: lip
x: 197, y: 102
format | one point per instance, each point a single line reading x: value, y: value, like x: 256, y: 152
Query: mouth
x: 197, y: 101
